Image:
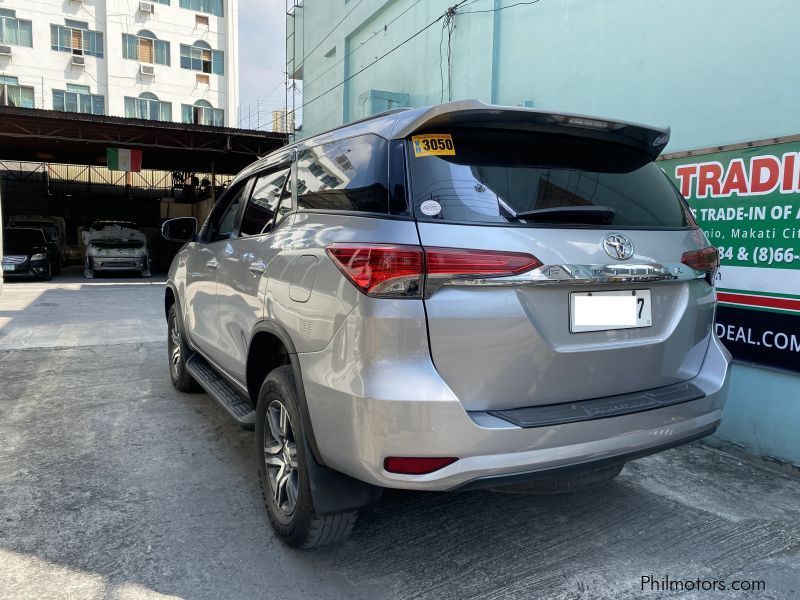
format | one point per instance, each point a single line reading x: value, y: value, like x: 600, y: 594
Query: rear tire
x: 178, y: 352
x: 281, y: 442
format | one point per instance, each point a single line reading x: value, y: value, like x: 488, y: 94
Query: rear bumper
x: 494, y: 481
x: 365, y: 407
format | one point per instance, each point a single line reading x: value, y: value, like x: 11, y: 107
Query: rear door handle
x: 258, y: 267
x: 213, y: 264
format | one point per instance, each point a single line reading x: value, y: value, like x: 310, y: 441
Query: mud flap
x: 334, y: 493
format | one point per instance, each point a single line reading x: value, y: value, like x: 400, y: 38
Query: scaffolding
x: 295, y: 46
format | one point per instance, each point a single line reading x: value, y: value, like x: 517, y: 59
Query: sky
x: 262, y: 49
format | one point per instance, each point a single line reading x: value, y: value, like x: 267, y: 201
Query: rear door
x: 244, y: 266
x: 609, y: 231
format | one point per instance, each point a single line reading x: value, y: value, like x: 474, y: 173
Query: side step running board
x: 233, y: 401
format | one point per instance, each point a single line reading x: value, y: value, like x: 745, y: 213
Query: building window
x: 14, y: 94
x: 213, y: 7
x: 76, y: 38
x: 78, y: 99
x: 147, y: 106
x: 200, y: 57
x: 202, y: 113
x: 146, y: 48
x: 14, y: 31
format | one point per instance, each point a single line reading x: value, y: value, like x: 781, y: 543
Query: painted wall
x: 717, y: 72
x: 763, y: 413
x: 114, y: 77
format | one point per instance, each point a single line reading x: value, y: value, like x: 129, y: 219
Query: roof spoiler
x: 473, y: 113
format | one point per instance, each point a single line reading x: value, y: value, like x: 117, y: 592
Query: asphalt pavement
x: 115, y: 486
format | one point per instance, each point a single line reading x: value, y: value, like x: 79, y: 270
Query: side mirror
x: 182, y: 229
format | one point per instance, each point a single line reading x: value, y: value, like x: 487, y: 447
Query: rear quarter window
x: 496, y: 178
x: 348, y: 175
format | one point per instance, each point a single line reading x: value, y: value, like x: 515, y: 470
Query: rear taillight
x: 447, y: 264
x: 705, y: 260
x: 416, y: 465
x: 402, y: 271
x: 381, y: 270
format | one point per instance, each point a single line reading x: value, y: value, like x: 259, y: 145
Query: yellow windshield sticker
x: 434, y: 144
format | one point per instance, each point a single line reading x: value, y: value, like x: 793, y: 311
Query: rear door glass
x: 263, y: 203
x: 526, y: 179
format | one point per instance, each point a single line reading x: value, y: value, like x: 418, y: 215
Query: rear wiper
x: 603, y: 215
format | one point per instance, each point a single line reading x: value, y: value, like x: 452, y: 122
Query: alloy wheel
x: 280, y: 456
x: 174, y: 347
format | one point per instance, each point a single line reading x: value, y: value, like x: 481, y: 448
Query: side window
x: 224, y: 222
x: 351, y: 174
x: 263, y: 203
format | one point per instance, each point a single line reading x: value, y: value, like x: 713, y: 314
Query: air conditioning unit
x: 147, y: 70
x: 78, y: 61
x: 147, y: 7
x: 5, y: 50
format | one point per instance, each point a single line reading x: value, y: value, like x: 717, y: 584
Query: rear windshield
x: 48, y: 228
x: 542, y: 180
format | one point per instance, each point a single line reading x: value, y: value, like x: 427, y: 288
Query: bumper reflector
x: 415, y: 465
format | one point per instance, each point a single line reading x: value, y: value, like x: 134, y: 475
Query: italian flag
x: 124, y: 160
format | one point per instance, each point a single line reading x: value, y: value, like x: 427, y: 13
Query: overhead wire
x: 327, y: 35
x: 498, y: 9
x: 382, y: 29
x: 379, y: 58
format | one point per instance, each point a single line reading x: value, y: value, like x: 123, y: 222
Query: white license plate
x: 8, y: 267
x: 602, y: 311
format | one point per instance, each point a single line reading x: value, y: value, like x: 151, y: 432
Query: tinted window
x: 496, y: 178
x: 224, y: 221
x: 263, y: 202
x: 22, y: 237
x: 346, y: 175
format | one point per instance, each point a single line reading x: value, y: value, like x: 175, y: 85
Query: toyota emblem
x: 618, y: 246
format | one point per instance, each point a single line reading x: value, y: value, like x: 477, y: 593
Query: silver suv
x: 449, y: 298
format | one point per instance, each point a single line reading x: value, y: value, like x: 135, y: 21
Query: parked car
x: 55, y: 231
x: 449, y: 298
x: 27, y: 253
x: 115, y: 246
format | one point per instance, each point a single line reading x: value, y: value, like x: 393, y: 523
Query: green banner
x: 747, y: 201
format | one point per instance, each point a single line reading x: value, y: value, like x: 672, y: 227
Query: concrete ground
x: 115, y: 486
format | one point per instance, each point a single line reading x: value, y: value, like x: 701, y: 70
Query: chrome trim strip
x: 572, y: 274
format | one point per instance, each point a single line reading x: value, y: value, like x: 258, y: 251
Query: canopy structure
x: 58, y: 137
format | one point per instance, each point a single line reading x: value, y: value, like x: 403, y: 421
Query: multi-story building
x: 162, y: 60
x: 282, y: 121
